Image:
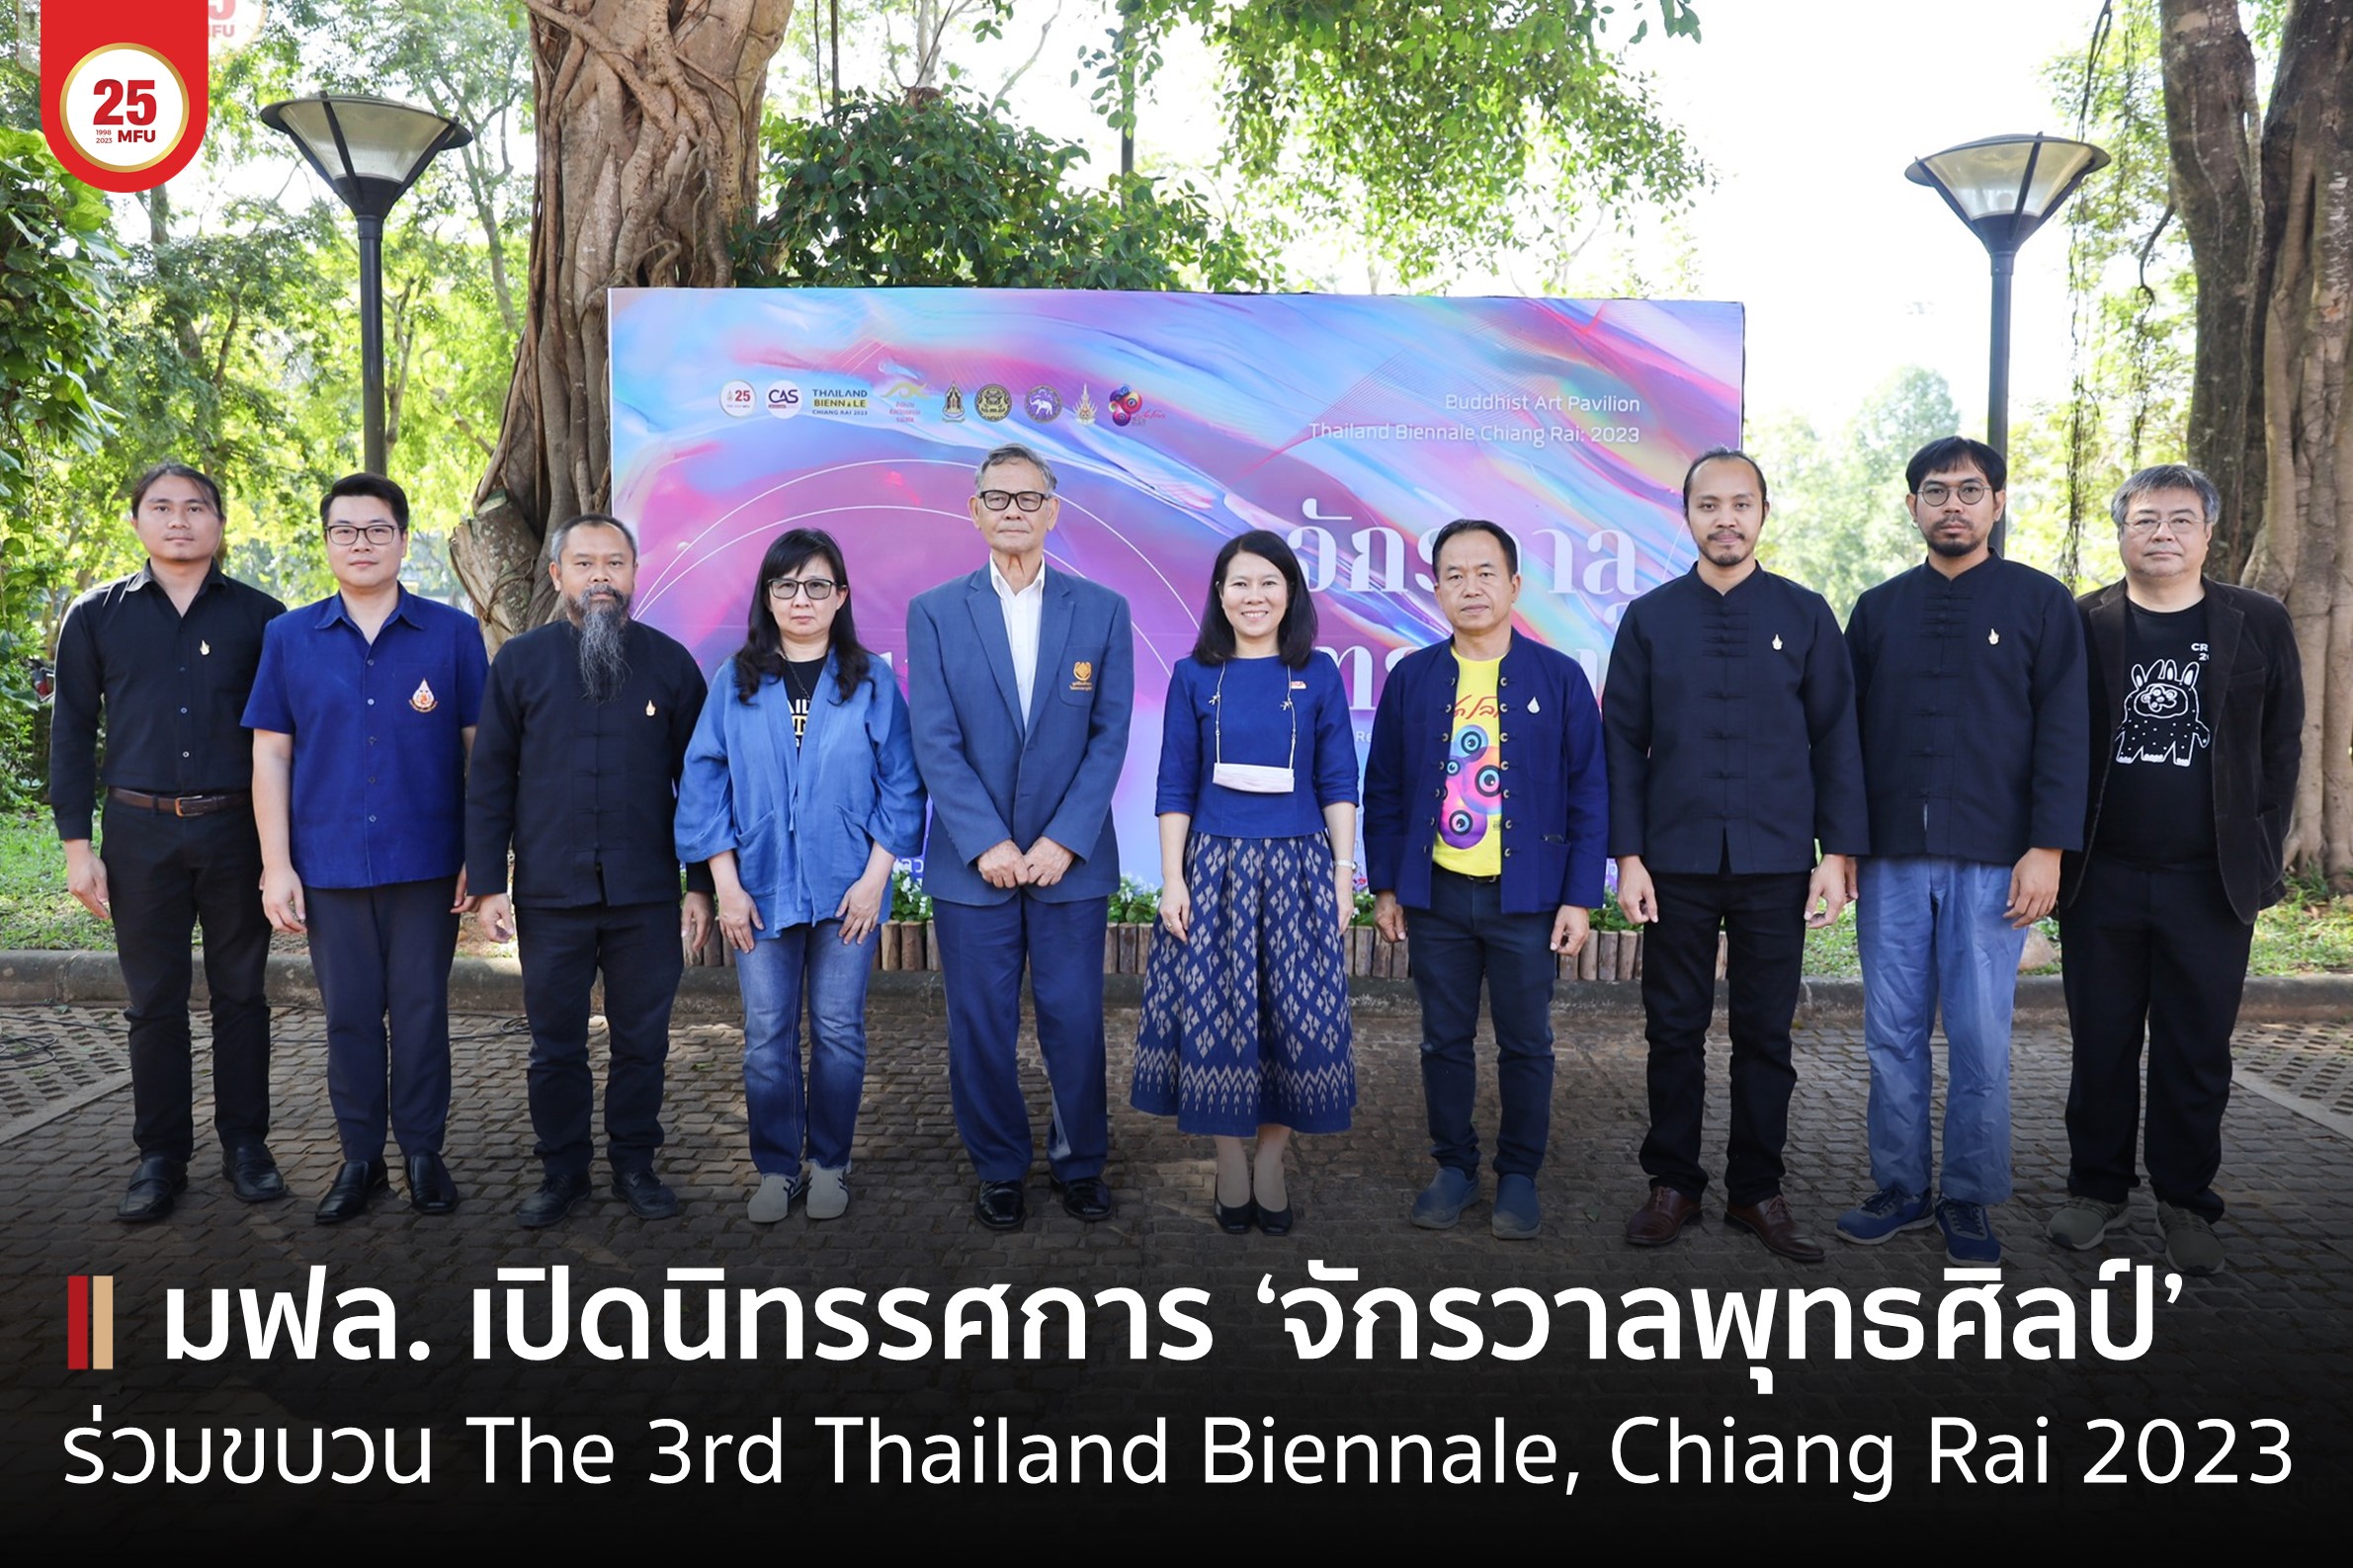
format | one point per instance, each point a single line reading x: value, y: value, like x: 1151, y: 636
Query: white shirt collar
x: 1005, y: 590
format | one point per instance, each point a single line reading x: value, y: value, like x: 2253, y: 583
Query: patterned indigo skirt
x: 1246, y: 1021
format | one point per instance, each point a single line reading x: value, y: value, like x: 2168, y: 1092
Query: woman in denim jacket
x: 800, y: 790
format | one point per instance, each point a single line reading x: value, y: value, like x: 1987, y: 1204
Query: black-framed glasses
x: 350, y: 534
x: 999, y: 499
x: 1968, y: 492
x: 819, y: 589
x: 2142, y: 527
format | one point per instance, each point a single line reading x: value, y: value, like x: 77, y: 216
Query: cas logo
x: 1126, y: 403
x: 784, y: 399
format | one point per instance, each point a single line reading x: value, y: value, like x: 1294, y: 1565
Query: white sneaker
x: 828, y: 1192
x: 774, y: 1200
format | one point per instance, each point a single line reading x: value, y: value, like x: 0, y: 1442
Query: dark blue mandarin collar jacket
x: 1970, y: 693
x: 1556, y: 794
x: 1731, y: 725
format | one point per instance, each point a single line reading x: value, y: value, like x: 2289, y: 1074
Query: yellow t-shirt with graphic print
x: 1470, y: 829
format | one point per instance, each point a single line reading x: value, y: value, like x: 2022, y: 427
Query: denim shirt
x: 800, y: 820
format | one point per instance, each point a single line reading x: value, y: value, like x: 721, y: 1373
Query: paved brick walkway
x: 2269, y: 1339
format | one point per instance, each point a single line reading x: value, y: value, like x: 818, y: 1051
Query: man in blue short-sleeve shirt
x: 363, y: 712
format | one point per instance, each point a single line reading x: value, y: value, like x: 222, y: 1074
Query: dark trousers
x: 1465, y: 938
x: 636, y: 946
x: 1763, y: 919
x: 382, y: 955
x: 166, y: 876
x: 2157, y: 955
x: 982, y: 948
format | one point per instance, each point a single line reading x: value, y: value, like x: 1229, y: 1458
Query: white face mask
x: 1251, y: 777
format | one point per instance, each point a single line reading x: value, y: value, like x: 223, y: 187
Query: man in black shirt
x: 1968, y: 688
x: 168, y: 654
x: 1730, y: 717
x: 585, y: 725
x: 2196, y: 710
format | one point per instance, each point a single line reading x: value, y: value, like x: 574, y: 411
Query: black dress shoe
x: 646, y: 1193
x: 357, y: 1183
x: 1086, y: 1198
x: 159, y: 1180
x: 252, y: 1174
x: 430, y: 1190
x: 1274, y: 1221
x: 558, y: 1192
x: 1000, y: 1205
x: 1235, y: 1221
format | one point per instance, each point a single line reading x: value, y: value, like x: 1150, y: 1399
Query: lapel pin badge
x: 204, y: 647
x: 423, y: 699
x: 1777, y: 642
x: 1991, y: 636
x: 1082, y: 675
x: 1534, y: 706
x: 649, y: 709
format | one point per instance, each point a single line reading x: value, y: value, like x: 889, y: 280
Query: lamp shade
x: 2004, y: 187
x: 370, y: 150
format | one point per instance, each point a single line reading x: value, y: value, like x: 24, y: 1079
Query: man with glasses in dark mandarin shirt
x: 167, y: 655
x: 361, y: 714
x: 1968, y: 687
x: 1018, y: 687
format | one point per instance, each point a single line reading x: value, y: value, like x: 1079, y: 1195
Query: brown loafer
x: 1662, y: 1219
x: 1772, y: 1222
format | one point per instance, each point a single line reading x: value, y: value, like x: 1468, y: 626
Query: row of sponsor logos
x: 994, y: 401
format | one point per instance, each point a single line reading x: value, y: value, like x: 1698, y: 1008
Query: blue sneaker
x: 1883, y: 1214
x: 1516, y: 1215
x: 1442, y: 1201
x: 1968, y: 1233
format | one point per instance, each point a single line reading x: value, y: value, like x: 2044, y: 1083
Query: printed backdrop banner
x: 1355, y: 427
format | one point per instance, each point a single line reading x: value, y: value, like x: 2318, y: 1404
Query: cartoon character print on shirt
x: 1474, y: 781
x: 2160, y: 719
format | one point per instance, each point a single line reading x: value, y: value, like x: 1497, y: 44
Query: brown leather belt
x: 181, y: 805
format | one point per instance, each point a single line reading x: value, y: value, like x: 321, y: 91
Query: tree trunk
x: 2211, y: 112
x: 2280, y: 365
x: 648, y: 127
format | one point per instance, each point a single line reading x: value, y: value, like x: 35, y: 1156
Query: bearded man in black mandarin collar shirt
x: 168, y: 653
x: 1968, y: 687
x: 585, y: 725
x: 2197, y: 726
x: 1730, y: 717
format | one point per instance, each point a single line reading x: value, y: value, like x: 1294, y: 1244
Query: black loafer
x: 430, y: 1189
x: 159, y: 1180
x: 357, y: 1183
x: 1235, y: 1221
x: 557, y: 1194
x: 1000, y: 1205
x: 252, y: 1174
x: 1086, y: 1198
x: 1274, y: 1221
x: 646, y: 1193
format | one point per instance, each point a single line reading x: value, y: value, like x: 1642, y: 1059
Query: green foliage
x: 35, y: 909
x: 1134, y: 904
x: 53, y: 346
x: 908, y: 900
x: 1838, y: 522
x: 1438, y: 130
x: 940, y: 191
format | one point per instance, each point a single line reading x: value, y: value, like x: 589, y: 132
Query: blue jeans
x: 773, y: 976
x: 1464, y: 938
x: 1932, y: 932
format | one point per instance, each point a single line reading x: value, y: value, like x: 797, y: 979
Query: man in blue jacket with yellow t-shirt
x: 1486, y: 817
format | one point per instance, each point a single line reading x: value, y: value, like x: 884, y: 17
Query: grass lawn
x: 2305, y: 934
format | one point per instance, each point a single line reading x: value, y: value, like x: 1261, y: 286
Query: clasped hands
x: 1043, y: 865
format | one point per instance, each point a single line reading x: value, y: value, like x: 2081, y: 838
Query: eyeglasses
x: 1968, y: 492
x: 2142, y: 527
x: 999, y: 499
x: 349, y: 534
x: 819, y: 589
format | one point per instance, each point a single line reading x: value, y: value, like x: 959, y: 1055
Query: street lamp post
x: 371, y: 150
x: 2004, y: 187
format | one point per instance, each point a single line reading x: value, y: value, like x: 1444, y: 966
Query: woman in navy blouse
x: 1245, y: 1008
x: 800, y: 790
